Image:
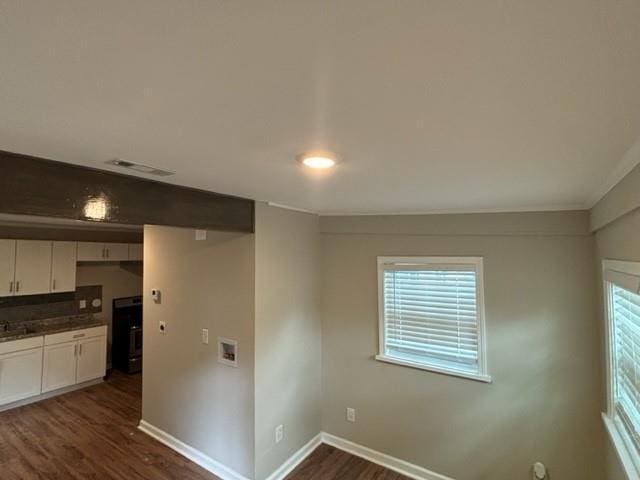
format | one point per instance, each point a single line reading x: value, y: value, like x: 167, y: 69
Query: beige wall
x: 543, y: 348
x: 287, y: 330
x: 117, y: 280
x: 613, y: 466
x: 620, y: 200
x: 186, y: 392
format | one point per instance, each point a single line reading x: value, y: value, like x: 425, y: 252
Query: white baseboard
x: 225, y: 473
x: 196, y: 456
x: 400, y: 466
x: 294, y: 460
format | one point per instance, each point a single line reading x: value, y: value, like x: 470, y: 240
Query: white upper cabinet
x: 30, y: 267
x: 108, y: 252
x: 136, y: 251
x: 117, y: 252
x: 7, y: 267
x: 63, y: 267
x: 91, y: 252
x: 33, y: 267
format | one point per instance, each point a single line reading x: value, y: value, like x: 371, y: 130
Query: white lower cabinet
x: 59, y: 366
x: 38, y: 365
x: 20, y: 374
x: 74, y: 357
x: 92, y: 358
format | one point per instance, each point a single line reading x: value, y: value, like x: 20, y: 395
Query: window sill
x: 619, y: 445
x: 444, y: 371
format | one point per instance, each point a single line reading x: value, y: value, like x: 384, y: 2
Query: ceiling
x: 433, y: 106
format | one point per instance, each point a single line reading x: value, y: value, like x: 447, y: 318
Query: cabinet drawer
x: 75, y: 335
x: 22, y: 344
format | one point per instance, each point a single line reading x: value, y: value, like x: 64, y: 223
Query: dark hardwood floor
x: 88, y: 434
x: 92, y: 434
x: 330, y: 463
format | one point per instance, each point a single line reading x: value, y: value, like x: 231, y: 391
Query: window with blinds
x: 431, y: 314
x: 622, y: 282
x: 626, y: 332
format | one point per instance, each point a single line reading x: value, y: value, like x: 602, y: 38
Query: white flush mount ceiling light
x: 318, y: 159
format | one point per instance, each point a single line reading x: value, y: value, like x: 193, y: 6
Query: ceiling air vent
x: 139, y: 168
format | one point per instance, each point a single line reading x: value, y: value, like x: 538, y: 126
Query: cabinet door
x: 92, y: 359
x: 33, y: 267
x: 7, y: 267
x: 20, y: 375
x: 135, y: 251
x: 91, y: 252
x: 63, y: 267
x: 117, y: 252
x: 59, y: 366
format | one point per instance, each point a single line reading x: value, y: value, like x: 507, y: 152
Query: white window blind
x: 431, y: 314
x: 625, y: 306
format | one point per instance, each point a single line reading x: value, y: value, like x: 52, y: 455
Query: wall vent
x: 139, y: 168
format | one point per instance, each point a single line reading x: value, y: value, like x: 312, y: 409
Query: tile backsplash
x: 50, y: 305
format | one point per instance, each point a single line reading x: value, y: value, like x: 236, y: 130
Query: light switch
x: 279, y: 433
x: 205, y: 336
x: 351, y: 414
x: 201, y: 234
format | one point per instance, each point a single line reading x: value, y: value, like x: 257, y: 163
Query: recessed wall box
x: 228, y: 352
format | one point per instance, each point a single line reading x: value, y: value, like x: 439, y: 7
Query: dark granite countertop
x: 38, y: 328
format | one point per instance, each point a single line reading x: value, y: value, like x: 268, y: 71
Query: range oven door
x: 135, y: 341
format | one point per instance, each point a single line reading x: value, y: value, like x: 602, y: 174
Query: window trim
x: 477, y: 263
x: 620, y: 439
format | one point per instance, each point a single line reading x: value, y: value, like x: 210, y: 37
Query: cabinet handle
x: 10, y: 287
x: 108, y: 253
x: 18, y: 286
x: 80, y: 349
x: 75, y: 350
x: 79, y: 335
x: 54, y: 284
x: 103, y: 252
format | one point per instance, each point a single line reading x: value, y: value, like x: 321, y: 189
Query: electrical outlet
x: 83, y: 304
x: 156, y: 295
x: 539, y: 471
x: 162, y: 326
x: 205, y: 336
x: 351, y: 414
x: 279, y: 433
